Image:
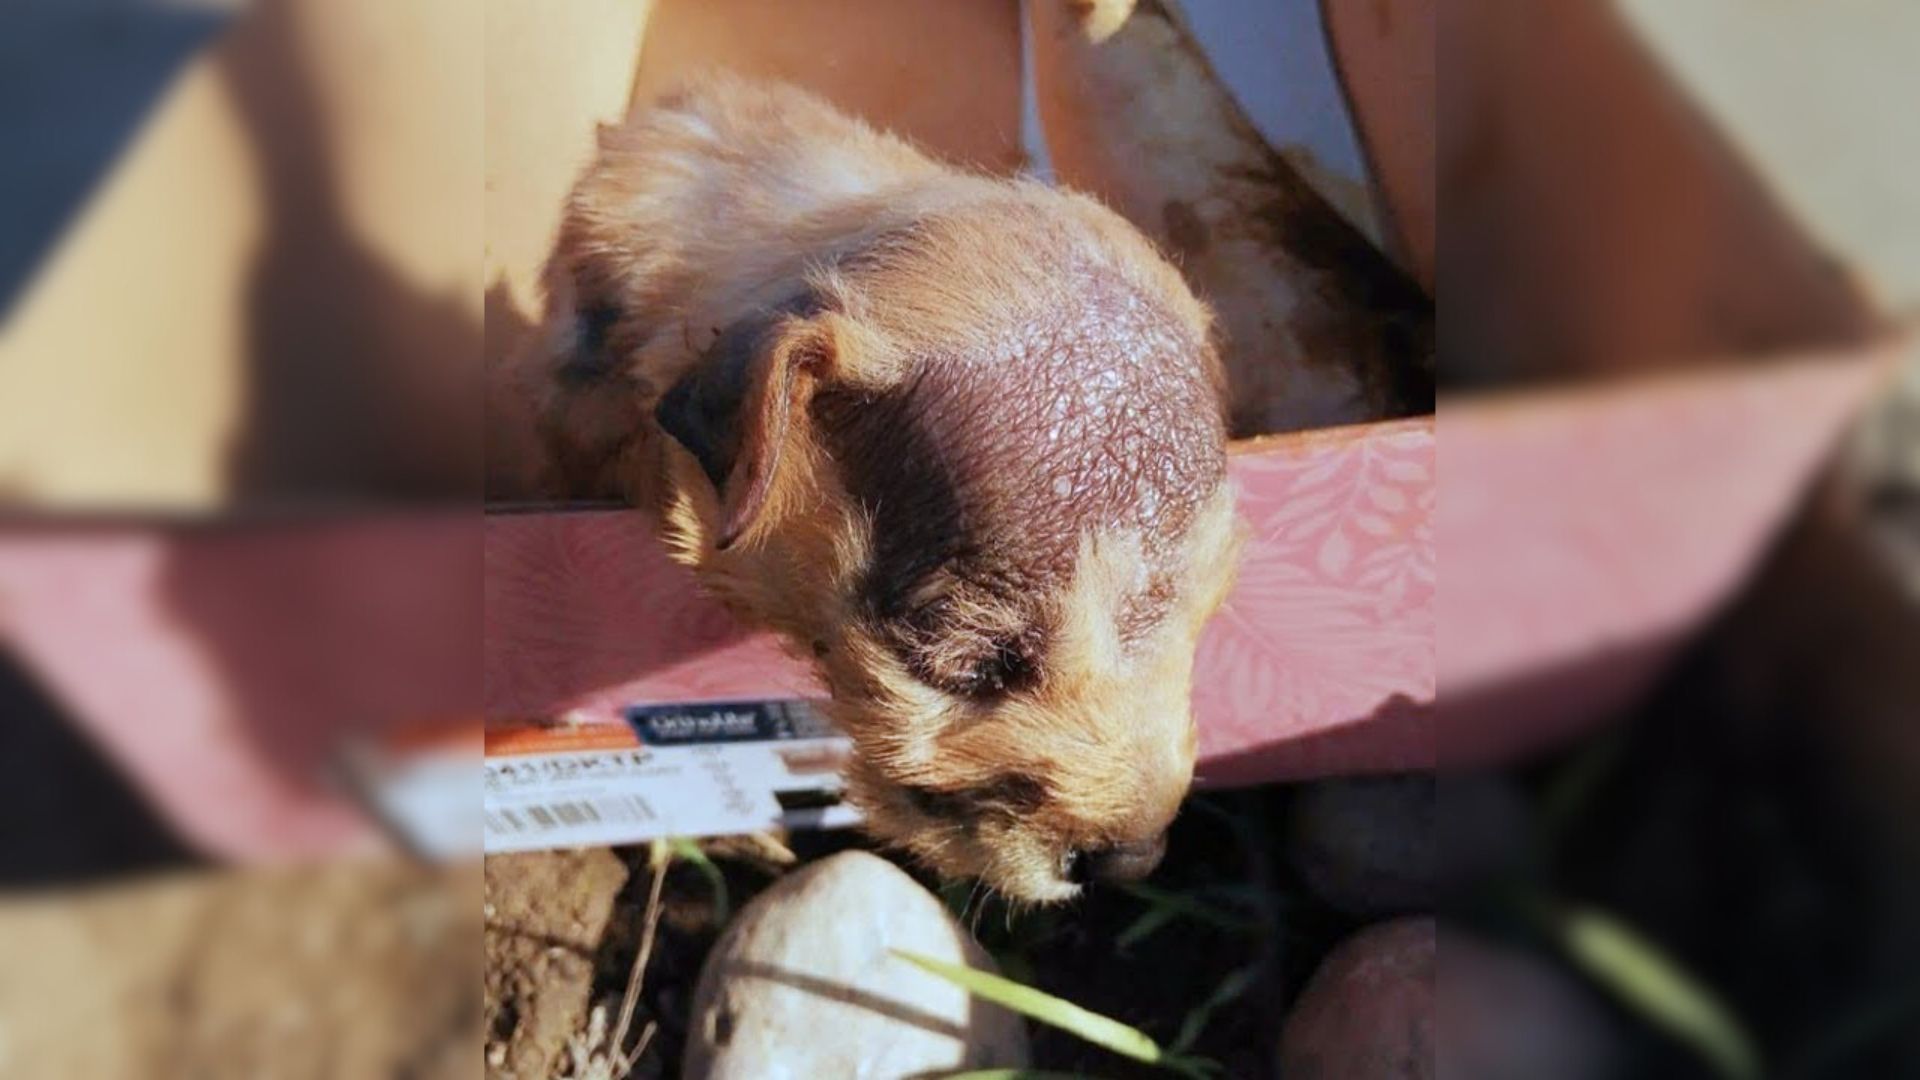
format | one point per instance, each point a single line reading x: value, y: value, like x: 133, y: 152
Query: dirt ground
x: 1223, y: 857
x: 352, y: 970
x: 546, y: 916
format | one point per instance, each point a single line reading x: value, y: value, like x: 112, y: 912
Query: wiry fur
x: 726, y: 202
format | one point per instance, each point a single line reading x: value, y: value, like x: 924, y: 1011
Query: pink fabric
x: 1331, y: 620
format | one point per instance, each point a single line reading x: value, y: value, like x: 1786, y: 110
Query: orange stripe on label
x: 538, y: 739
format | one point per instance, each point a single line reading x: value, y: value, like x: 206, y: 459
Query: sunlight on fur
x: 956, y: 439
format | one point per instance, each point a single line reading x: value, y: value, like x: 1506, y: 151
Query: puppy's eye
x: 1007, y: 667
x: 971, y: 649
x: 1014, y: 793
x: 590, y: 359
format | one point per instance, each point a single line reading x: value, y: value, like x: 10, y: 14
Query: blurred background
x: 239, y: 543
x: 1699, y: 196
x: 244, y: 292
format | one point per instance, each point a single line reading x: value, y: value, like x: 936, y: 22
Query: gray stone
x: 1367, y: 845
x: 1507, y: 1014
x: 1368, y: 1011
x: 1393, y: 1003
x: 803, y: 985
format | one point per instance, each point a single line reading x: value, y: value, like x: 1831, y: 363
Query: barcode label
x: 623, y: 809
x: 630, y: 795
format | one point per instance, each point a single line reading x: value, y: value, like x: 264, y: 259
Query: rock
x: 803, y: 985
x: 1505, y: 1014
x: 1390, y: 1004
x: 1368, y: 1011
x: 1367, y: 845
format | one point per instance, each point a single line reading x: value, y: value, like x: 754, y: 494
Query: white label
x: 701, y: 771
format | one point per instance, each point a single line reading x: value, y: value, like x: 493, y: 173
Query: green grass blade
x: 1144, y: 927
x: 1645, y: 980
x: 1099, y: 1030
x: 1182, y: 904
x: 1224, y: 994
x: 1016, y: 965
x: 684, y: 848
x: 1044, y: 1007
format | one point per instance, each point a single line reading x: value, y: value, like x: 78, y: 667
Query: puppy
x: 957, y: 439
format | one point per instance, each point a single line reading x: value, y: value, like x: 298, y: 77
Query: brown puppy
x: 958, y: 439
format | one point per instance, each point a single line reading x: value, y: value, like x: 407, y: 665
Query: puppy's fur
x: 958, y: 439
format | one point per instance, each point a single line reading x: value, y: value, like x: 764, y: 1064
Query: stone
x: 1367, y: 845
x: 1368, y: 1011
x: 804, y: 984
x: 1507, y: 1014
x: 1390, y: 1004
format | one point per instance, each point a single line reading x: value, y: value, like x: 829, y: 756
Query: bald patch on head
x: 984, y: 468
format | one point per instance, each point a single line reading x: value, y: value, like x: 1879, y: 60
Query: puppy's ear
x: 732, y: 411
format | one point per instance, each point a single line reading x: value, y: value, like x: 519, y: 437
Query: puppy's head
x: 970, y: 457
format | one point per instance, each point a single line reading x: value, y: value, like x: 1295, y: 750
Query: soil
x: 364, y: 969
x: 546, y: 917
x: 1223, y: 853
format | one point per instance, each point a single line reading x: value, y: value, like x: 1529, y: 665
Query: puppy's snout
x: 1131, y: 861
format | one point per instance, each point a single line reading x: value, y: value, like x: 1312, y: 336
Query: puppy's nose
x: 1131, y: 861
